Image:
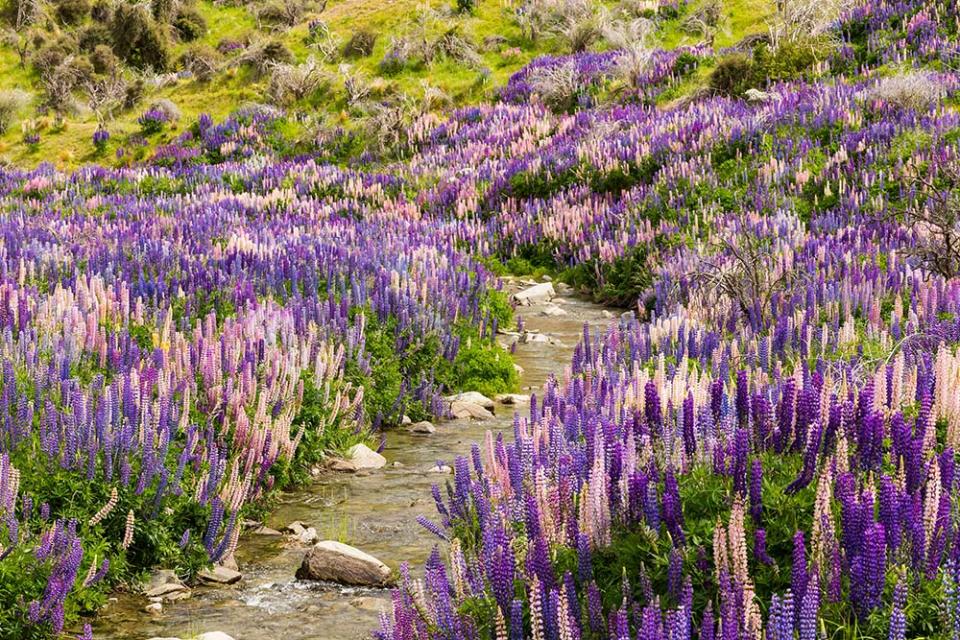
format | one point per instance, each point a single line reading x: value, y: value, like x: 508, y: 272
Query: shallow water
x: 375, y: 512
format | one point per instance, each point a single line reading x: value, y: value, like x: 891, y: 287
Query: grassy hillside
x: 494, y: 47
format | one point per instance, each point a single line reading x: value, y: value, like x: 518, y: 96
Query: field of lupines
x: 766, y: 451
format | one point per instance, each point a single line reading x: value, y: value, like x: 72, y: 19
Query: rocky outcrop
x: 334, y: 561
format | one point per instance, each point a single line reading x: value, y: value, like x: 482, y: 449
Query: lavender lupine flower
x: 898, y: 620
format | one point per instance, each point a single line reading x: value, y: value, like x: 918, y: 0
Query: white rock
x: 606, y: 314
x: 546, y: 278
x: 464, y: 410
x: 529, y: 338
x: 363, y: 457
x: 214, y: 635
x: 513, y: 398
x: 154, y: 608
x: 473, y: 397
x: 537, y: 294
x: 440, y: 468
x: 422, y: 427
x: 552, y: 310
x: 308, y: 536
x: 405, y: 421
x: 337, y: 562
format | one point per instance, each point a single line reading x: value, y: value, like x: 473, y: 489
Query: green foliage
x: 138, y: 40
x: 72, y: 12
x: 789, y: 61
x: 360, y: 44
x: 189, y: 24
x: 732, y: 75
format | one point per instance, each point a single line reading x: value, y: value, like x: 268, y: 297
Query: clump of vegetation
x: 12, y: 102
x: 138, y: 40
x: 360, y: 44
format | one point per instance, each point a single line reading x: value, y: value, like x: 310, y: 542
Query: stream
x: 375, y: 512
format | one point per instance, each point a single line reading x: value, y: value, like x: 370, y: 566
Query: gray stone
x: 423, y: 427
x: 219, y: 575
x: 537, y: 294
x: 266, y: 531
x: 337, y: 562
x: 606, y: 314
x: 440, y: 468
x: 513, y: 398
x: 464, y: 410
x: 552, y: 310
x: 295, y: 528
x: 230, y: 562
x: 154, y: 608
x: 363, y: 457
x: 160, y: 578
x: 166, y: 591
x: 214, y: 635
x: 342, y: 466
x: 472, y: 397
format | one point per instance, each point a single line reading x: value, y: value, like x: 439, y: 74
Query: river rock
x: 552, y: 310
x: 266, y: 531
x: 214, y: 635
x: 464, y: 410
x: 513, y: 398
x: 423, y: 427
x: 537, y: 294
x: 161, y: 578
x: 606, y: 314
x: 337, y: 562
x: 219, y: 575
x: 230, y: 562
x: 405, y: 421
x: 563, y: 288
x: 363, y: 457
x: 342, y: 466
x: 473, y: 397
x: 530, y: 337
x: 440, y: 468
x: 154, y: 608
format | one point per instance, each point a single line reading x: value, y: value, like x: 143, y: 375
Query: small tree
x: 935, y: 217
x: 746, y: 269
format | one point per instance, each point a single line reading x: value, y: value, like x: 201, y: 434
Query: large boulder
x: 474, y: 397
x: 464, y: 410
x: 363, y: 457
x: 337, y: 562
x: 537, y: 294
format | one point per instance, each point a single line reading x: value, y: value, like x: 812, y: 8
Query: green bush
x: 104, y: 60
x: 789, y: 61
x: 189, y: 25
x: 138, y: 40
x: 732, y: 75
x: 360, y: 44
x: 95, y: 35
x: 72, y: 12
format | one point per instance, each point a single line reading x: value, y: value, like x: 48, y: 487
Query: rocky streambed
x: 372, y: 510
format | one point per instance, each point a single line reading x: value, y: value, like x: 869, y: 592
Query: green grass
x: 72, y: 145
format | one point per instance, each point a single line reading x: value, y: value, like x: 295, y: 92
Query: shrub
x: 286, y: 13
x: 292, y: 83
x: 558, y: 86
x: 102, y: 11
x: 72, y: 12
x: 789, y: 60
x: 11, y: 104
x: 134, y: 94
x: 51, y: 54
x: 104, y: 60
x: 263, y: 54
x: 138, y: 40
x: 396, y: 58
x: 93, y: 36
x: 202, y: 61
x: 360, y: 44
x: 466, y: 6
x: 189, y: 25
x: 732, y: 75
x: 916, y: 90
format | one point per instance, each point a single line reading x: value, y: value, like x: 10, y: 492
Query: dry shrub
x: 916, y: 90
x: 291, y: 83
